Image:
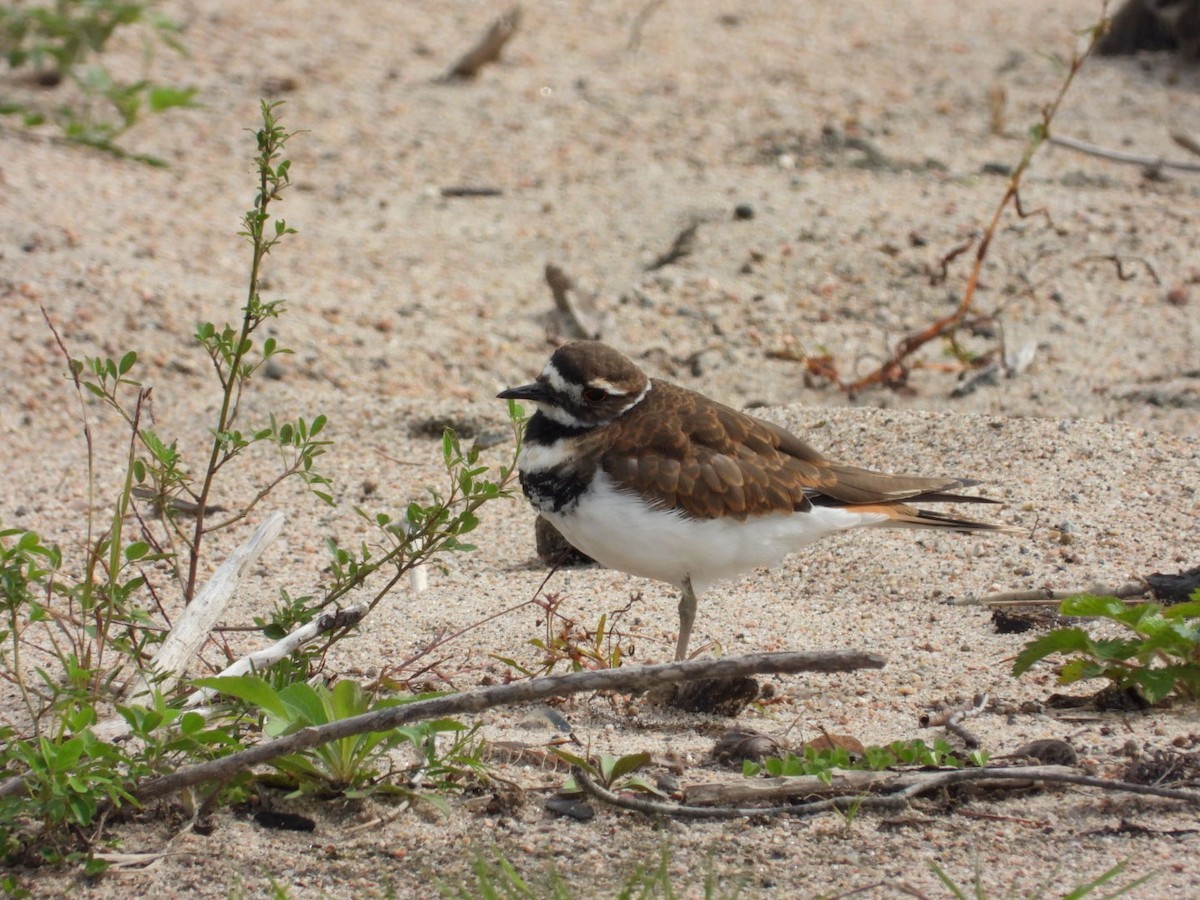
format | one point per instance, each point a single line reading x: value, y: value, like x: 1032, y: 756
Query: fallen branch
x: 1153, y: 163
x: 633, y: 679
x: 849, y: 788
x: 1047, y: 596
x: 488, y: 49
x: 193, y: 627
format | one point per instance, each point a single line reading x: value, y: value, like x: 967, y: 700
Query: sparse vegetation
x: 875, y: 759
x: 1160, y: 657
x: 60, y: 47
x: 76, y: 633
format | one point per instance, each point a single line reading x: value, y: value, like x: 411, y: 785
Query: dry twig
x: 682, y: 246
x: 1153, y: 163
x: 639, y: 22
x: 1047, y: 596
x: 488, y: 49
x: 849, y: 788
x: 952, y: 719
x: 893, y: 372
x: 639, y: 678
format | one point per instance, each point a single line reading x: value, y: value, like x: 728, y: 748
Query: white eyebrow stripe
x: 607, y: 386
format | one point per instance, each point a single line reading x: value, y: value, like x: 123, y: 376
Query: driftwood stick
x: 1045, y: 596
x: 638, y: 678
x: 193, y: 627
x: 1134, y: 159
x: 113, y: 729
x: 285, y: 646
x: 851, y: 788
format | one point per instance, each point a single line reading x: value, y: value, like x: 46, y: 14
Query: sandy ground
x: 407, y: 307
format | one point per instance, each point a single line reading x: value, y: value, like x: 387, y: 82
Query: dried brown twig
x: 634, y: 678
x: 488, y: 49
x: 893, y: 372
x: 1153, y: 163
x: 1122, y: 273
x: 851, y: 789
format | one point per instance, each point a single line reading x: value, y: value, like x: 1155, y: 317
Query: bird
x: 658, y: 481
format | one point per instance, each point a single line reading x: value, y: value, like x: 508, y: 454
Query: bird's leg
x: 687, y: 615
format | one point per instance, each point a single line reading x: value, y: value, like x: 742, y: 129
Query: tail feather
x: 924, y: 518
x: 901, y: 515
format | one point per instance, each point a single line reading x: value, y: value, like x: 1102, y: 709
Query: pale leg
x: 687, y: 615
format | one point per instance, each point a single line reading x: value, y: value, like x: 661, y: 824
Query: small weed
x: 581, y: 648
x: 349, y: 766
x: 977, y: 891
x: 76, y: 634
x: 62, y: 44
x: 498, y: 877
x: 821, y: 763
x: 1160, y: 659
x: 617, y: 773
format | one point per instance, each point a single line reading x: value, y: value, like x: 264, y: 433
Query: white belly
x: 618, y: 531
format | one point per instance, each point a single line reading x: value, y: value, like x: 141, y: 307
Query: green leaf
x: 1188, y: 610
x: 126, y: 362
x: 136, y: 551
x: 627, y: 764
x: 248, y: 688
x: 572, y: 759
x: 1092, y: 605
x: 1156, y: 684
x: 162, y: 98
x: 1062, y: 640
x: 1080, y: 668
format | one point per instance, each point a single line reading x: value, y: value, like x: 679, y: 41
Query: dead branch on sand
x: 855, y: 789
x: 487, y: 50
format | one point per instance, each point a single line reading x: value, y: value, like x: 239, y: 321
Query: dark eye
x: 594, y: 394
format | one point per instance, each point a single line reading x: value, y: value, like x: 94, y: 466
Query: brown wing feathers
x: 715, y: 461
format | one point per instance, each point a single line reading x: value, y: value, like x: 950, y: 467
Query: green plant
x: 617, y: 773
x: 564, y: 640
x: 62, y: 43
x: 347, y: 766
x: 875, y: 759
x: 1160, y: 658
x: 497, y: 877
x: 1044, y: 890
x: 73, y: 633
